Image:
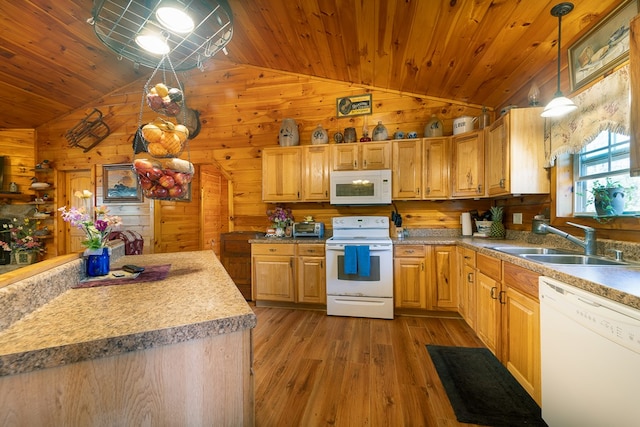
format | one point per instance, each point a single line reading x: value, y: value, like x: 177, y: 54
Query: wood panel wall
x: 241, y: 109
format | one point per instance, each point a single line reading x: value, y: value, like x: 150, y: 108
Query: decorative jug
x: 289, y: 133
x: 433, y: 127
x: 319, y: 136
x: 380, y: 132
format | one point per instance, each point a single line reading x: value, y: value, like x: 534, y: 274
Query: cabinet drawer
x: 469, y: 256
x: 525, y: 281
x: 310, y: 250
x: 409, y: 251
x: 489, y: 266
x: 273, y: 249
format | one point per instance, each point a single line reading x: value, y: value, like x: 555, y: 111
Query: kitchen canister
x: 433, y: 127
x: 319, y: 135
x: 463, y: 124
x: 289, y: 135
x: 380, y: 132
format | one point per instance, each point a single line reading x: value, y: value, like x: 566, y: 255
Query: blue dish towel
x: 350, y: 260
x: 364, y: 262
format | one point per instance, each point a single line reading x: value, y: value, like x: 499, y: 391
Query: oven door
x: 379, y: 283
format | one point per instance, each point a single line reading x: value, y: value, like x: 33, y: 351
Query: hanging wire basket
x: 161, y: 173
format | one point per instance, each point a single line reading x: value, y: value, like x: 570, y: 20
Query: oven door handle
x: 371, y: 249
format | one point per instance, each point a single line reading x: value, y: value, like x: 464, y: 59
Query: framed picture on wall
x: 120, y: 184
x: 603, y: 48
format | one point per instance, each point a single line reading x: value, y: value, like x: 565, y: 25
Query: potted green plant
x: 608, y: 198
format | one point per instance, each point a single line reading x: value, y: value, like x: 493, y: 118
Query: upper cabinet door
x: 345, y: 157
x: 435, y: 170
x: 515, y: 154
x: 468, y: 165
x: 407, y: 166
x: 281, y: 174
x: 316, y: 173
x: 376, y: 155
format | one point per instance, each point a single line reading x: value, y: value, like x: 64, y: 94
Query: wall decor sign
x: 604, y: 47
x: 357, y: 105
x: 120, y: 184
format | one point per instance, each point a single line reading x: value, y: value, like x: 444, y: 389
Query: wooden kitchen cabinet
x: 361, y: 156
x: 467, y: 285
x: 436, y: 158
x: 272, y: 270
x: 425, y: 277
x: 488, y: 286
x: 315, y: 173
x: 467, y: 176
x: 520, y: 340
x: 281, y: 175
x: 407, y: 169
x: 311, y: 274
x: 410, y: 276
x: 421, y: 169
x: 515, y: 154
x: 443, y: 286
x: 235, y: 255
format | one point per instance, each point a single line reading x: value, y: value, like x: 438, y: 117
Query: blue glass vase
x: 98, y: 265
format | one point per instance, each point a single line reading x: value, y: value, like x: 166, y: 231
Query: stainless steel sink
x: 524, y: 250
x: 572, y: 259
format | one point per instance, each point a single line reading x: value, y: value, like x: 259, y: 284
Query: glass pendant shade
x: 559, y: 105
x: 153, y: 43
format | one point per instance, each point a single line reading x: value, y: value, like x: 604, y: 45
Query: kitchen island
x: 175, y: 351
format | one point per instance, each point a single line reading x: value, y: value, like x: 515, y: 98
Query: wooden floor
x: 317, y: 370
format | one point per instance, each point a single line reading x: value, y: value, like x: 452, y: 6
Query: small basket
x: 164, y: 99
x: 163, y: 139
x: 168, y: 180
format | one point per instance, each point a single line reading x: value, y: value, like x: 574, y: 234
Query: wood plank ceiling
x: 482, y: 52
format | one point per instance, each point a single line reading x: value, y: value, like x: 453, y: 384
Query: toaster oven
x: 308, y: 229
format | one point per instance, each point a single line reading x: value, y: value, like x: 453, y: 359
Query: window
x: 605, y: 157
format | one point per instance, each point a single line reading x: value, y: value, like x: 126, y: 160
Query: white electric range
x: 366, y: 288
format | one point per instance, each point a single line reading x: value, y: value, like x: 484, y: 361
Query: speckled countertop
x: 618, y: 283
x: 197, y: 299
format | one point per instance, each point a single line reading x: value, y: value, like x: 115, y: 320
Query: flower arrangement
x: 280, y: 216
x: 22, y: 236
x: 96, y: 229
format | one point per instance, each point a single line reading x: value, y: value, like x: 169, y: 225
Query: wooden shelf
x: 8, y: 197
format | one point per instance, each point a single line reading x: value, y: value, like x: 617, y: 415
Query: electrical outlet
x: 517, y: 218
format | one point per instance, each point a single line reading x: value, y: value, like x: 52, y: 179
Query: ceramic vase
x: 98, y: 262
x: 319, y: 136
x: 380, y: 132
x: 289, y: 135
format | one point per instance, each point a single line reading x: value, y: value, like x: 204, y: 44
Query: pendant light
x: 559, y: 105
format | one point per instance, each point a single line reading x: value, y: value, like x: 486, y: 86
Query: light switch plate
x: 517, y: 218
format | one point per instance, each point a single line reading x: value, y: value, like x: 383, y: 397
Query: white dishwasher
x: 590, y: 358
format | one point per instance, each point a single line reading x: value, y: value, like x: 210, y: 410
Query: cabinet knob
x: 502, y: 183
x: 479, y: 190
x: 272, y: 249
x: 493, y: 293
x: 470, y: 277
x: 409, y: 251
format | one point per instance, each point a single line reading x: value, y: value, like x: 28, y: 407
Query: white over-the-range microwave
x: 363, y: 187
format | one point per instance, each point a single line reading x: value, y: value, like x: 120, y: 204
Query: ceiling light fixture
x: 174, y: 19
x: 188, y: 31
x: 153, y: 42
x: 559, y: 105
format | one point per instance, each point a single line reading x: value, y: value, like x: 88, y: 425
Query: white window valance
x: 604, y: 106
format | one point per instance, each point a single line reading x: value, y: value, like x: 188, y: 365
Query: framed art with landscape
x: 120, y: 184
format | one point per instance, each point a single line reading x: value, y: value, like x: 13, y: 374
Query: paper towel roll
x: 465, y: 219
